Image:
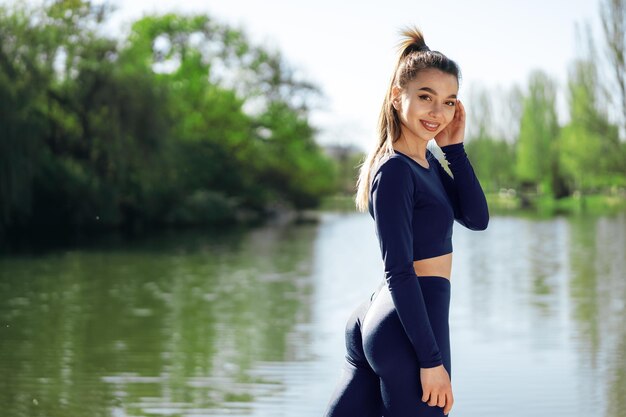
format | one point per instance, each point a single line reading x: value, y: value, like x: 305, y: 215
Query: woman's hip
x: 385, y: 343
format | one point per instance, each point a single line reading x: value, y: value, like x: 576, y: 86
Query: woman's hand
x: 455, y: 131
x: 437, y: 388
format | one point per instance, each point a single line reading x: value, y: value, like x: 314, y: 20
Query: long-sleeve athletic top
x: 414, y: 209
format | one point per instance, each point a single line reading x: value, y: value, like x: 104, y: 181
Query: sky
x: 348, y: 47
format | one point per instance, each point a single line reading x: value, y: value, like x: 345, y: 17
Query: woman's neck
x: 415, y: 148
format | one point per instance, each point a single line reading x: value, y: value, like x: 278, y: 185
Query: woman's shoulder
x: 392, y: 165
x: 394, y: 174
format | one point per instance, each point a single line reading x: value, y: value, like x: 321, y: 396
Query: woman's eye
x: 425, y: 97
x: 451, y: 103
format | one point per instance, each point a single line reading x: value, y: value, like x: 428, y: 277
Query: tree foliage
x: 492, y: 154
x: 589, y: 144
x: 536, y: 148
x: 613, y: 18
x: 585, y: 155
x: 183, y: 121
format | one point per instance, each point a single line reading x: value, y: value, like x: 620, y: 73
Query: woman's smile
x: 430, y: 126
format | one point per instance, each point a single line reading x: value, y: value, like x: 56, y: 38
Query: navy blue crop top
x: 414, y: 209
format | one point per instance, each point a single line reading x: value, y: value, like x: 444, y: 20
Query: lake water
x: 250, y: 323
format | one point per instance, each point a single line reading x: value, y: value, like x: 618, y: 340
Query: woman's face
x: 427, y: 104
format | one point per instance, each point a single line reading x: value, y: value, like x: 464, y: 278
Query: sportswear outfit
x: 403, y: 325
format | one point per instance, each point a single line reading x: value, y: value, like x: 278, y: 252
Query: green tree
x: 493, y: 160
x: 492, y: 157
x: 184, y: 121
x: 536, y: 158
x: 37, y: 62
x: 589, y: 148
x: 613, y: 18
x: 228, y: 150
x: 294, y: 163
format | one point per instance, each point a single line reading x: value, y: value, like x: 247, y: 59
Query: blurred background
x: 177, y: 227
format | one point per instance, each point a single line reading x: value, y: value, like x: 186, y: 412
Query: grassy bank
x: 597, y: 204
x: 508, y: 203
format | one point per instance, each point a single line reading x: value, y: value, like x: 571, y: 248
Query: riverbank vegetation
x: 182, y: 121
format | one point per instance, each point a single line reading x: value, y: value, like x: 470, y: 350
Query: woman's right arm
x: 392, y: 198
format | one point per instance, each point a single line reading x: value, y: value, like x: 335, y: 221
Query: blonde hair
x: 414, y: 56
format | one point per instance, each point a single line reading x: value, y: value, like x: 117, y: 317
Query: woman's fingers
x: 436, y: 388
x: 449, y: 402
x: 430, y: 398
x: 462, y: 112
x: 444, y: 400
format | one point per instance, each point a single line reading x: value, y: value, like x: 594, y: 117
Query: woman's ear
x: 395, y: 97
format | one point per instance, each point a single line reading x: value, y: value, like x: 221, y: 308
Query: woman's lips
x: 430, y: 126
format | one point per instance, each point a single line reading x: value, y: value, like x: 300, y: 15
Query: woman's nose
x: 436, y: 109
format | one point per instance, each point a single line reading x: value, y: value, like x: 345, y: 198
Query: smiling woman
x: 398, y: 360
x: 420, y: 107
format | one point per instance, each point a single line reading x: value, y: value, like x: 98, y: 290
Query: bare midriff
x: 438, y: 266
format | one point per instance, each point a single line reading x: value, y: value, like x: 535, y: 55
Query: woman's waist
x: 438, y: 266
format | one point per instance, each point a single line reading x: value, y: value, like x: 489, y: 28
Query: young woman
x: 398, y: 344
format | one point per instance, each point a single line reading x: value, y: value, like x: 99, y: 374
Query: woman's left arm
x: 464, y: 190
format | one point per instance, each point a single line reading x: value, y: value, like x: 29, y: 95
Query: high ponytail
x: 413, y: 56
x: 413, y: 42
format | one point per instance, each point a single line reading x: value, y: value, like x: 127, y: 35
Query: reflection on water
x: 251, y: 323
x: 154, y: 328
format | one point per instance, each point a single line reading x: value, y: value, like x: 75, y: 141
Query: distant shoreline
x: 510, y: 203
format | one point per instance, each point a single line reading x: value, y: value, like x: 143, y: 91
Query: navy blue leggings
x: 381, y: 374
